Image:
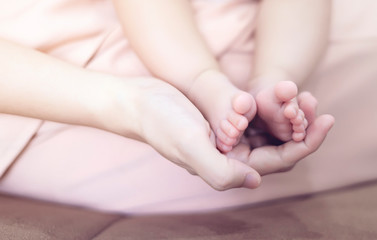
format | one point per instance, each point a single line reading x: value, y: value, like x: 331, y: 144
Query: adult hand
x: 162, y: 117
x: 159, y: 115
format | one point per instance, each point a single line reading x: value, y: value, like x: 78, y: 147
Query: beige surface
x: 343, y: 214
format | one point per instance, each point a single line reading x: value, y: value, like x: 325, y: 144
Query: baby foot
x: 278, y: 108
x: 228, y: 109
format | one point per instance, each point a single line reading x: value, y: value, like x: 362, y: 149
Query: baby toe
x: 298, y: 136
x: 238, y: 121
x: 291, y: 110
x: 285, y: 90
x: 299, y: 119
x: 223, y: 147
x: 243, y: 103
x: 229, y: 129
x: 224, y: 138
x: 298, y: 128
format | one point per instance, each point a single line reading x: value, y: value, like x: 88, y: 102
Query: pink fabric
x: 16, y: 132
x: 92, y: 168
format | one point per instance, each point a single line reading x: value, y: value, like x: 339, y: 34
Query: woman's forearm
x: 165, y: 36
x: 292, y: 36
x: 36, y: 85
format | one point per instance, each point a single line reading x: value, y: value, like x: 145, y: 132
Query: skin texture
x: 291, y: 38
x: 152, y: 27
x: 36, y: 85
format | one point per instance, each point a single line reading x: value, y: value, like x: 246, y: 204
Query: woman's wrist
x: 115, y: 108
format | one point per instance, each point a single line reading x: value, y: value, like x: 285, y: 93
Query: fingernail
x: 251, y: 181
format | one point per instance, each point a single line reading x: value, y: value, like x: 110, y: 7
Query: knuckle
x: 287, y: 168
x: 222, y: 182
